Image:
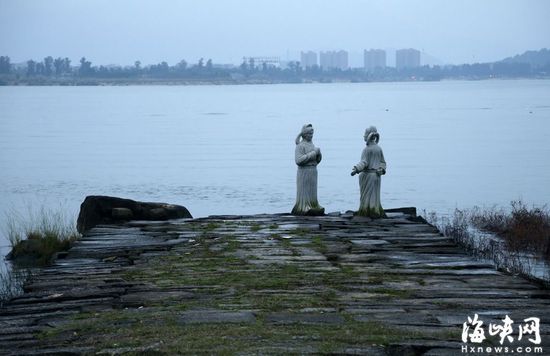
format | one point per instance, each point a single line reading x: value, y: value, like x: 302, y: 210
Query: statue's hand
x: 354, y: 171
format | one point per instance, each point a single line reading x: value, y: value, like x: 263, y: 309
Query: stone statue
x: 307, y: 158
x: 370, y: 169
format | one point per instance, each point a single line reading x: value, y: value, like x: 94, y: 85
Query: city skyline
x: 372, y: 60
x: 306, y: 58
x: 125, y: 31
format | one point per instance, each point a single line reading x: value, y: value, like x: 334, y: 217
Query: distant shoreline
x: 60, y: 72
x: 198, y: 82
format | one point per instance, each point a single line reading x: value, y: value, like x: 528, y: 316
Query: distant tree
x: 48, y: 70
x: 137, y: 66
x: 251, y: 64
x: 107, y: 72
x: 5, y: 65
x: 181, y: 66
x: 314, y: 69
x: 66, y: 65
x: 58, y: 64
x: 511, y: 69
x: 209, y: 64
x: 201, y: 63
x: 160, y: 69
x: 40, y: 68
x: 264, y: 67
x: 31, y: 68
x: 85, y: 67
x: 244, y: 66
x: 292, y: 66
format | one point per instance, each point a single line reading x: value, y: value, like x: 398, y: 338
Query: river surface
x: 230, y: 149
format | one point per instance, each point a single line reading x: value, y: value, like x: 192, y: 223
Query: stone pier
x: 267, y: 284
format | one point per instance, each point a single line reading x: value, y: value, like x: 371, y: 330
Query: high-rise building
x: 407, y: 58
x: 342, y: 60
x: 326, y: 60
x: 334, y: 60
x: 374, y: 58
x: 308, y: 59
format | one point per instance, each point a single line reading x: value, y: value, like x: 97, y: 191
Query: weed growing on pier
x: 318, y: 244
x: 523, y: 229
x: 514, y: 240
x: 158, y: 332
x: 37, y: 237
x: 255, y: 227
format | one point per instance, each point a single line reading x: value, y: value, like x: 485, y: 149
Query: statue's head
x: 306, y: 133
x: 371, y: 135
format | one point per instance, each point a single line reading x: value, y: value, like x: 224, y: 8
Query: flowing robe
x: 306, y: 180
x: 370, y: 166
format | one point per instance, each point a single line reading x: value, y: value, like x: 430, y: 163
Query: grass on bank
x: 512, y: 238
x: 523, y: 229
x: 35, y: 238
x: 11, y: 283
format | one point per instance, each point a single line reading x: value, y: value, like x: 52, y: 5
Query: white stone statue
x: 307, y: 158
x: 370, y: 169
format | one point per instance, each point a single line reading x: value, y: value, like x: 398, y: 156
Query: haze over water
x: 465, y: 31
x: 229, y: 149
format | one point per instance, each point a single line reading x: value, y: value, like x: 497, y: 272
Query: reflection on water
x: 230, y: 149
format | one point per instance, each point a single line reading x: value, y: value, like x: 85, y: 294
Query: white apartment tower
x: 374, y: 58
x: 308, y: 59
x: 407, y: 58
x: 334, y: 60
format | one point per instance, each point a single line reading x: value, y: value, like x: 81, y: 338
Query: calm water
x: 229, y: 149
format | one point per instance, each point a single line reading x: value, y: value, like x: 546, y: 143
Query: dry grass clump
x: 513, y: 239
x: 35, y: 238
x: 38, y: 236
x: 523, y: 229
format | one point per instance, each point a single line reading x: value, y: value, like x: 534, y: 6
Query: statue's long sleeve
x: 363, y: 163
x: 303, y: 158
x: 382, y: 161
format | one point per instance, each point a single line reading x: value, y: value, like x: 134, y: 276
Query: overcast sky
x: 123, y: 31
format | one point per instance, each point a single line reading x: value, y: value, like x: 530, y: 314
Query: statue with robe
x: 307, y: 158
x: 370, y: 168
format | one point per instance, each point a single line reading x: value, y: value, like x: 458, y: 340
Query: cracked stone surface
x: 264, y: 284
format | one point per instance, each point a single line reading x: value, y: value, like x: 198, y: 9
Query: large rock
x: 97, y: 209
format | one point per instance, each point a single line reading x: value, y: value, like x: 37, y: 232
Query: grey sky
x: 122, y: 31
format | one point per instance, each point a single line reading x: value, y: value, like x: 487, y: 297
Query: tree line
x: 61, y: 67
